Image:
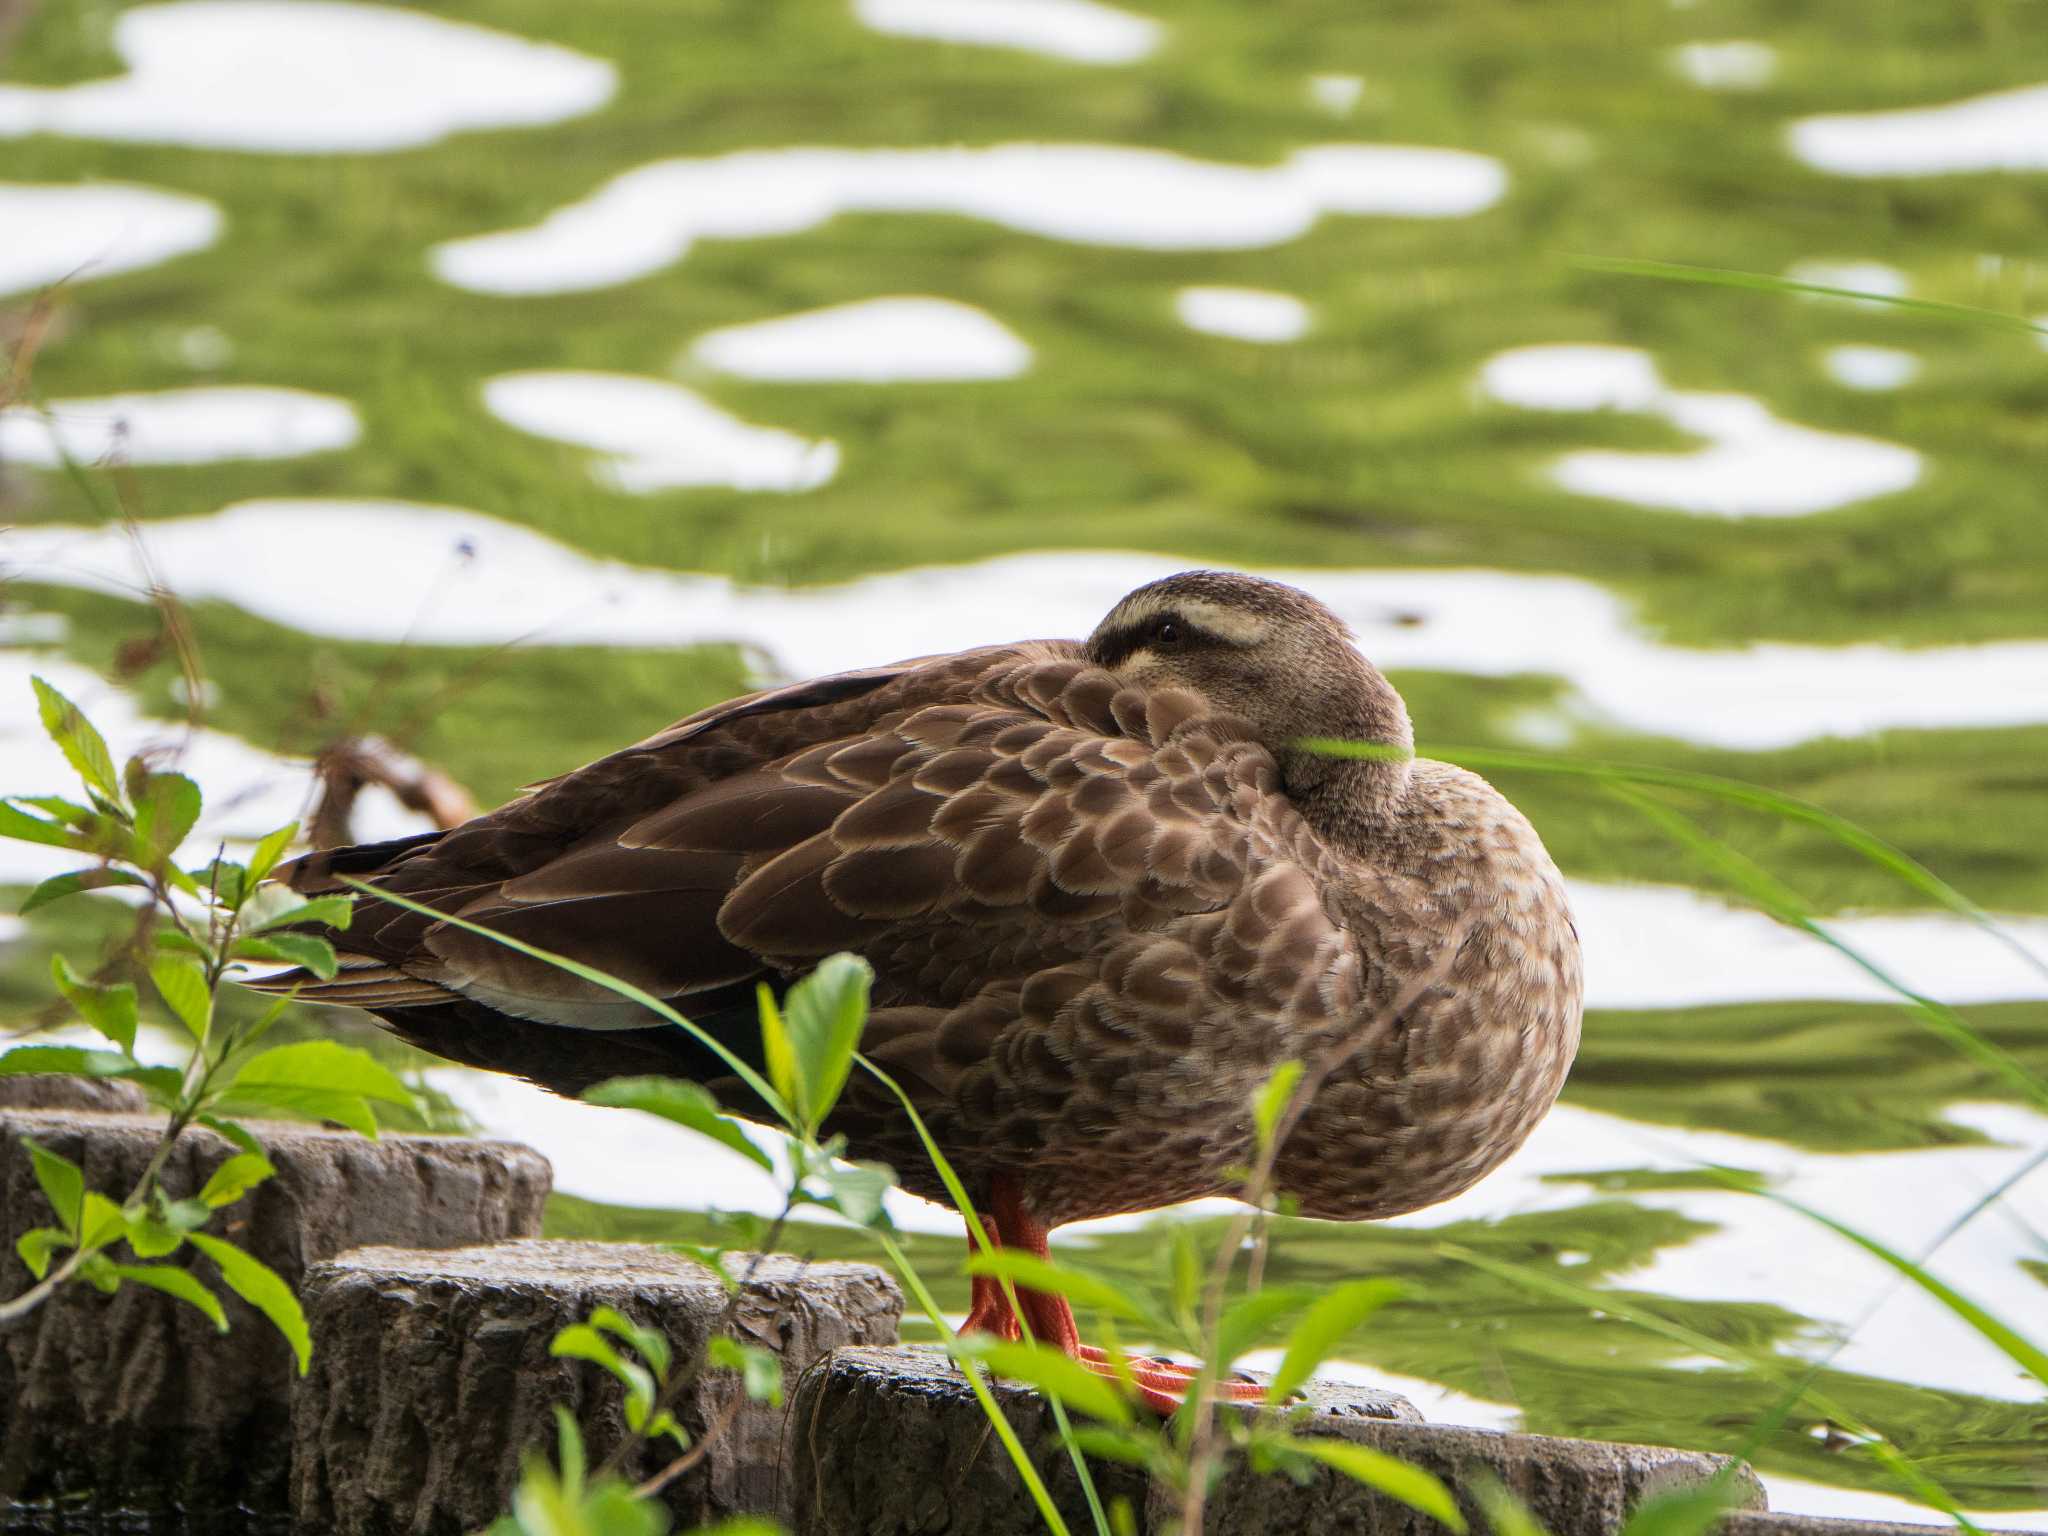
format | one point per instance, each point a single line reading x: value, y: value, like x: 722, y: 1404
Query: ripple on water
x: 309, y: 77
x: 1738, y: 64
x: 1754, y: 465
x: 876, y: 341
x: 658, y: 436
x: 303, y: 563
x: 2005, y: 131
x: 1093, y: 194
x: 78, y: 233
x: 1083, y: 31
x: 178, y: 426
x: 1871, y: 368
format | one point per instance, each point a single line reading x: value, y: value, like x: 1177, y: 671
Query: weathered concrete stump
x: 101, y: 1095
x: 892, y: 1442
x: 432, y: 1380
x: 134, y: 1399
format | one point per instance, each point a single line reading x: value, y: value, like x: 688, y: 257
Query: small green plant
x: 201, y: 926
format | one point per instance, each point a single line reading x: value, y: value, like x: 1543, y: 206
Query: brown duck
x: 1104, y: 891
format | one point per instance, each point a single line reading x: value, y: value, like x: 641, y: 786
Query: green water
x: 1361, y: 445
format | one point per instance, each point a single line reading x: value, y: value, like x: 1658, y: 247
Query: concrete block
x: 104, y: 1095
x: 891, y: 1442
x: 431, y: 1375
x: 1763, y: 1522
x: 133, y: 1399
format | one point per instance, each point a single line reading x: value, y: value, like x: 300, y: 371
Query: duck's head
x: 1260, y: 650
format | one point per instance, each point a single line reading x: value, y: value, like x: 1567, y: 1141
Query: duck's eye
x: 1168, y: 632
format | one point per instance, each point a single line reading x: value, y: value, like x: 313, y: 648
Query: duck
x: 1106, y: 888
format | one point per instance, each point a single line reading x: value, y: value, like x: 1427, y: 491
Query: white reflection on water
x: 309, y: 77
x: 1244, y: 314
x: 1083, y: 31
x: 1754, y: 465
x: 656, y: 436
x: 178, y: 426
x: 306, y: 564
x: 2006, y: 131
x: 78, y: 233
x: 1738, y: 64
x: 900, y: 340
x: 1871, y: 368
x: 1094, y: 194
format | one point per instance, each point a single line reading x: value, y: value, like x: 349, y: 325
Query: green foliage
x: 1411, y: 1485
x: 1326, y: 1325
x: 203, y: 931
x: 683, y: 1103
x: 567, y: 1501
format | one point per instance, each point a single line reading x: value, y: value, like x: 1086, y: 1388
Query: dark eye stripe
x: 1118, y: 644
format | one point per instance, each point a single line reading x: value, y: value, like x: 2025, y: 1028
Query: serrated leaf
x: 1052, y: 1373
x: 166, y: 808
x: 302, y: 949
x: 269, y: 851
x: 226, y: 880
x: 351, y: 1110
x: 322, y: 1066
x: 83, y: 746
x: 109, y: 1009
x: 182, y: 982
x: 161, y: 1083
x: 1397, y: 1479
x: 1325, y: 1326
x: 331, y: 911
x: 825, y: 1013
x: 683, y: 1103
x: 38, y: 1245
x: 760, y: 1372
x: 180, y: 1283
x: 97, y: 878
x: 1270, y: 1102
x: 63, y: 1184
x: 235, y: 1178
x: 264, y: 1289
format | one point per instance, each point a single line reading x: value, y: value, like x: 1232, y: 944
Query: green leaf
x: 182, y: 981
x: 1187, y: 1271
x: 316, y: 955
x: 332, y: 911
x: 264, y: 1289
x: 1684, y: 1511
x: 100, y: 1221
x: 857, y: 1191
x: 1056, y: 1375
x: 1397, y: 1479
x: 166, y: 807
x: 235, y: 1178
x: 180, y: 1283
x: 1270, y: 1102
x: 238, y: 1134
x: 684, y: 1103
x: 1079, y: 1287
x: 1250, y: 1320
x: 109, y: 1009
x: 37, y: 1246
x: 350, y: 1110
x: 777, y: 1052
x: 825, y: 1013
x: 1328, y: 1322
x: 269, y: 851
x: 83, y: 747
x: 24, y: 828
x: 1504, y: 1511
x: 323, y: 1066
x: 580, y: 1341
x: 99, y: 877
x: 63, y: 1061
x: 226, y: 880
x: 760, y: 1372
x: 151, y: 1237
x: 1133, y: 1446
x: 63, y: 1183
x: 649, y: 1344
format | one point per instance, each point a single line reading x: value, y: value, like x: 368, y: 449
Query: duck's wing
x: 982, y: 812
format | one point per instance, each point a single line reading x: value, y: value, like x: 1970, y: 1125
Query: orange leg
x: 1161, y: 1384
